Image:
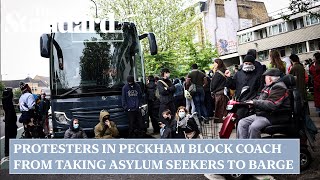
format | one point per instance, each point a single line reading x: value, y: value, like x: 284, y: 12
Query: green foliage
x: 175, y: 29
x: 300, y: 6
x: 17, y: 93
x: 1, y: 89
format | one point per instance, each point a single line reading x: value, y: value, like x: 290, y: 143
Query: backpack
x: 157, y: 94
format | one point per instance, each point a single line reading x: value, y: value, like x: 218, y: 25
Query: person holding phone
x: 106, y: 128
x: 165, y: 130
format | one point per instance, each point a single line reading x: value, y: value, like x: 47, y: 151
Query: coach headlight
x: 61, y: 117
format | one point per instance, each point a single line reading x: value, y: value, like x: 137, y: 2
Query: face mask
x: 182, y: 114
x: 76, y: 126
x: 248, y: 68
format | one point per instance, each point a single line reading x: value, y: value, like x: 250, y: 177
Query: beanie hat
x: 249, y: 58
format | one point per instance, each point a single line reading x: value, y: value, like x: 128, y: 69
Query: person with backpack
x: 153, y: 104
x: 27, y: 109
x: 166, y: 90
x: 178, y: 94
x: 198, y: 79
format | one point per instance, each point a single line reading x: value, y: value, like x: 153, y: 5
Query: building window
x: 263, y: 55
x: 298, y: 48
x: 297, y: 23
x: 282, y: 51
x: 312, y: 46
x: 311, y: 20
x: 247, y: 37
x: 277, y: 29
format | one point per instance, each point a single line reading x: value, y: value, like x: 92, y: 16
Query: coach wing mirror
x: 45, y: 46
x: 152, y: 42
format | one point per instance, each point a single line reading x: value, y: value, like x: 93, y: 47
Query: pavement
x: 210, y: 134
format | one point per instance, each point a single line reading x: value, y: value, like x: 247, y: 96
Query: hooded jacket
x: 102, y: 131
x: 131, y: 97
x: 72, y: 133
x: 252, y: 79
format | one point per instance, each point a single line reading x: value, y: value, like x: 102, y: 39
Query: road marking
x: 17, y: 130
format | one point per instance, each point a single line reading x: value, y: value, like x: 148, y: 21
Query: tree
x: 300, y: 6
x: 165, y: 18
x: 174, y: 28
x: 1, y: 89
x: 17, y: 93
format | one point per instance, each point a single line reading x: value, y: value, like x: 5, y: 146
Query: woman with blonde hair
x: 276, y: 61
x: 186, y: 126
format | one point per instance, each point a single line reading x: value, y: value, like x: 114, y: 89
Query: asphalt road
x: 3, y: 123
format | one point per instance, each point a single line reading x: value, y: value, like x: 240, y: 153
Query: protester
x: 197, y: 78
x: 315, y: 72
x: 75, y: 131
x: 188, y: 96
x: 178, y: 94
x: 299, y: 73
x: 273, y: 97
x: 27, y: 107
x: 288, y: 63
x: 169, y: 121
x: 165, y: 130
x: 131, y: 103
x: 249, y: 75
x: 44, y: 107
x: 106, y: 128
x: 276, y: 61
x: 153, y: 104
x: 10, y: 119
x: 217, y: 85
x: 186, y: 126
x: 207, y: 98
x: 166, y: 90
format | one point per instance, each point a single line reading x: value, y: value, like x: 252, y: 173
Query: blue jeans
x: 198, y: 99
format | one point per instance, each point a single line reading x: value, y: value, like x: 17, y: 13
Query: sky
x: 23, y: 22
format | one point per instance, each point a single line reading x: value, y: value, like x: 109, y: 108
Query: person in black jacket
x: 186, y: 126
x: 131, y: 102
x: 75, y: 131
x: 153, y: 104
x: 10, y: 118
x: 166, y: 90
x: 273, y: 98
x: 250, y: 75
x: 218, y: 82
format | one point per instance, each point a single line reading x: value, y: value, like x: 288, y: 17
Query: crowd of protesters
x: 175, y: 104
x: 205, y: 93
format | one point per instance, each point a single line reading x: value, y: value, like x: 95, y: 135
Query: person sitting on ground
x: 75, y: 131
x: 274, y: 96
x: 106, y: 128
x: 186, y: 126
x: 169, y: 120
x: 165, y: 130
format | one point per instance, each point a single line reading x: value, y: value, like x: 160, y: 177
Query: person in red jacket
x: 315, y: 72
